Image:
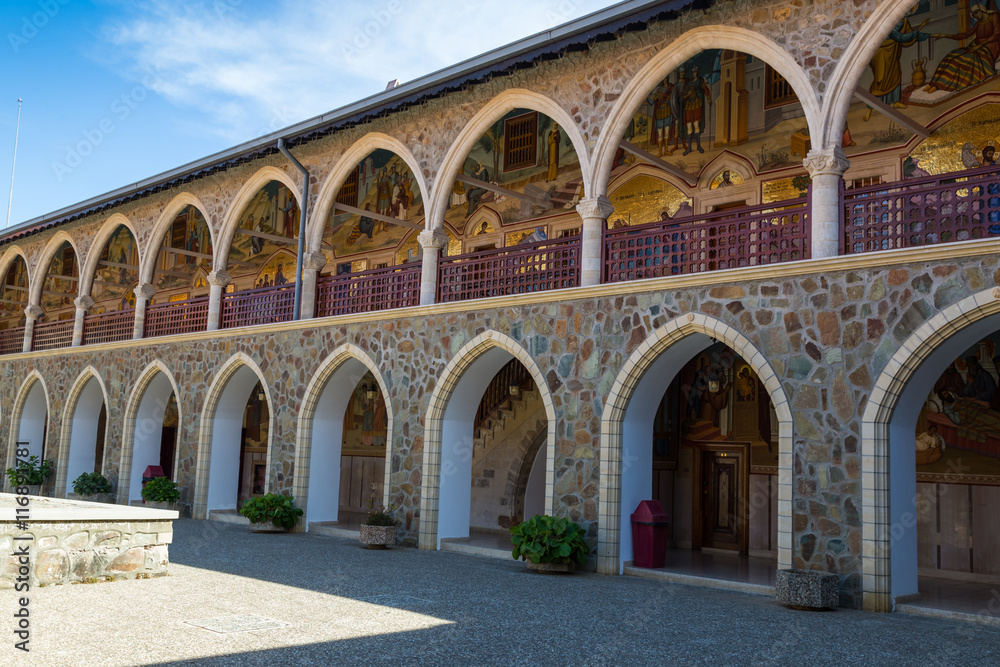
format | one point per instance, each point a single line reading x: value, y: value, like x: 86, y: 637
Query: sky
x: 116, y: 91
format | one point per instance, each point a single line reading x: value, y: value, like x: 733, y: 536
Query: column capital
x: 595, y: 207
x: 84, y: 302
x: 314, y: 261
x: 219, y: 278
x: 144, y: 291
x: 33, y: 312
x: 823, y: 161
x: 433, y: 238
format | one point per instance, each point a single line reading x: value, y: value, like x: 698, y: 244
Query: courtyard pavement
x: 334, y: 603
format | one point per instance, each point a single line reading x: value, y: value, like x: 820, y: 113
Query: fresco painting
x: 60, y: 286
x: 273, y: 214
x: 646, y: 198
x: 278, y: 270
x: 14, y: 295
x: 179, y: 272
x: 365, y: 420
x: 117, y: 273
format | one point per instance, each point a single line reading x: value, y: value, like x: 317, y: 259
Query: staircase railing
x: 498, y: 394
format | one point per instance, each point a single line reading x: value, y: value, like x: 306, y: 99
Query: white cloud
x: 253, y: 67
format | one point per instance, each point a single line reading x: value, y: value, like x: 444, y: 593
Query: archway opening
x: 702, y: 436
x: 34, y: 421
x: 60, y: 283
x: 180, y: 277
x: 87, y: 433
x: 156, y: 432
x: 262, y: 285
x: 493, y: 455
x: 13, y: 301
x: 112, y: 317
x: 240, y: 436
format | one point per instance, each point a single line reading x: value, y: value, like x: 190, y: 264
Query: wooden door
x: 723, y: 503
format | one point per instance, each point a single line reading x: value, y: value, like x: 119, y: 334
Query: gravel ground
x: 343, y: 604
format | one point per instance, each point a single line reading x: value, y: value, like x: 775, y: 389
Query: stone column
x: 217, y: 281
x: 594, y: 211
x: 826, y: 167
x: 31, y: 315
x: 431, y: 240
x: 83, y: 304
x: 312, y: 264
x: 143, y: 295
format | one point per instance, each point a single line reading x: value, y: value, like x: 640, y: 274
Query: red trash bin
x: 649, y: 534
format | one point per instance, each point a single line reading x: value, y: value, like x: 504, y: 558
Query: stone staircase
x: 508, y: 419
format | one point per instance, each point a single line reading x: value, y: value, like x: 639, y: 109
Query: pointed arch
x: 88, y: 267
x: 508, y: 100
x: 48, y: 253
x: 9, y: 256
x: 262, y: 177
x: 63, y: 476
x: 347, y: 162
x: 206, y: 429
x: 489, y: 350
x: 681, y: 335
x: 132, y: 425
x: 336, y: 365
x: 147, y: 263
x: 679, y: 51
x: 17, y: 411
x: 726, y: 160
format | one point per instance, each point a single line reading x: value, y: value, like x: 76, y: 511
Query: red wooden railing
x: 12, y: 340
x: 367, y: 291
x: 498, y: 395
x: 262, y: 305
x: 178, y: 317
x: 52, y: 335
x: 920, y: 211
x: 108, y: 327
x: 739, y: 237
x: 521, y: 269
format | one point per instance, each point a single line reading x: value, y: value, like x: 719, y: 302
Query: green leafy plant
x: 91, y: 483
x: 801, y: 183
x: 30, y: 472
x: 160, y: 490
x: 274, y: 507
x: 549, y: 539
x: 380, y: 515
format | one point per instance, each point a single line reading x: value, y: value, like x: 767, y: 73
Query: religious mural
x: 60, y: 287
x: 185, y: 257
x: 117, y: 273
x: 14, y: 295
x: 365, y: 420
x: 269, y: 223
x: 253, y: 446
x: 958, y: 430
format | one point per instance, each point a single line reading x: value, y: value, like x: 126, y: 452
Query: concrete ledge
x: 41, y: 509
x: 469, y: 550
x: 332, y: 530
x: 917, y: 610
x: 705, y: 582
x: 228, y: 516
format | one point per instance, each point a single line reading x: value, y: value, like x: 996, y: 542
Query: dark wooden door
x: 724, y: 503
x: 168, y: 439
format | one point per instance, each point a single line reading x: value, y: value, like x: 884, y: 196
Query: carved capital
x: 314, y: 261
x: 145, y: 291
x: 219, y: 278
x: 84, y: 302
x: 595, y: 207
x: 823, y: 161
x: 33, y: 312
x: 433, y: 238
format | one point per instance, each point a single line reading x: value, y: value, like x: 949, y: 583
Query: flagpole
x: 17, y: 131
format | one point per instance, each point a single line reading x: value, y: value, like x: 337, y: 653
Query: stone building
x: 740, y: 257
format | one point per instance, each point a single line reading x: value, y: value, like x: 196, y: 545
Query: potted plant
x: 549, y: 543
x: 160, y: 493
x: 93, y: 487
x: 379, y: 529
x: 30, y: 474
x: 271, y: 513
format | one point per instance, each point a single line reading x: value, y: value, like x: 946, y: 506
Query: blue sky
x: 119, y: 90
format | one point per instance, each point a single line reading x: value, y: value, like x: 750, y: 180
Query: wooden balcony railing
x: 367, y: 291
x: 178, y: 317
x: 108, y: 327
x: 12, y: 340
x: 739, y: 237
x: 52, y: 335
x: 521, y: 269
x: 959, y: 206
x: 253, y: 307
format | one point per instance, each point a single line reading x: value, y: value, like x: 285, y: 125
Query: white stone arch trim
x: 154, y: 368
x: 262, y: 177
x: 89, y: 267
x: 37, y: 282
x: 204, y: 458
x: 172, y: 210
x: 673, y: 56
x: 852, y: 64
x: 304, y: 429
x: 343, y: 168
x: 433, y: 422
x: 645, y: 169
x: 609, y: 517
x: 888, y: 389
x: 15, y: 414
x: 508, y: 100
x: 66, y: 428
x: 7, y: 260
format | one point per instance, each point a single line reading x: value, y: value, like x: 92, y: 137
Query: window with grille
x: 178, y: 233
x: 520, y: 148
x: 348, y: 194
x: 866, y: 181
x: 777, y: 91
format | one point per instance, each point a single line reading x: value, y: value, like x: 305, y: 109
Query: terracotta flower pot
x: 378, y: 537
